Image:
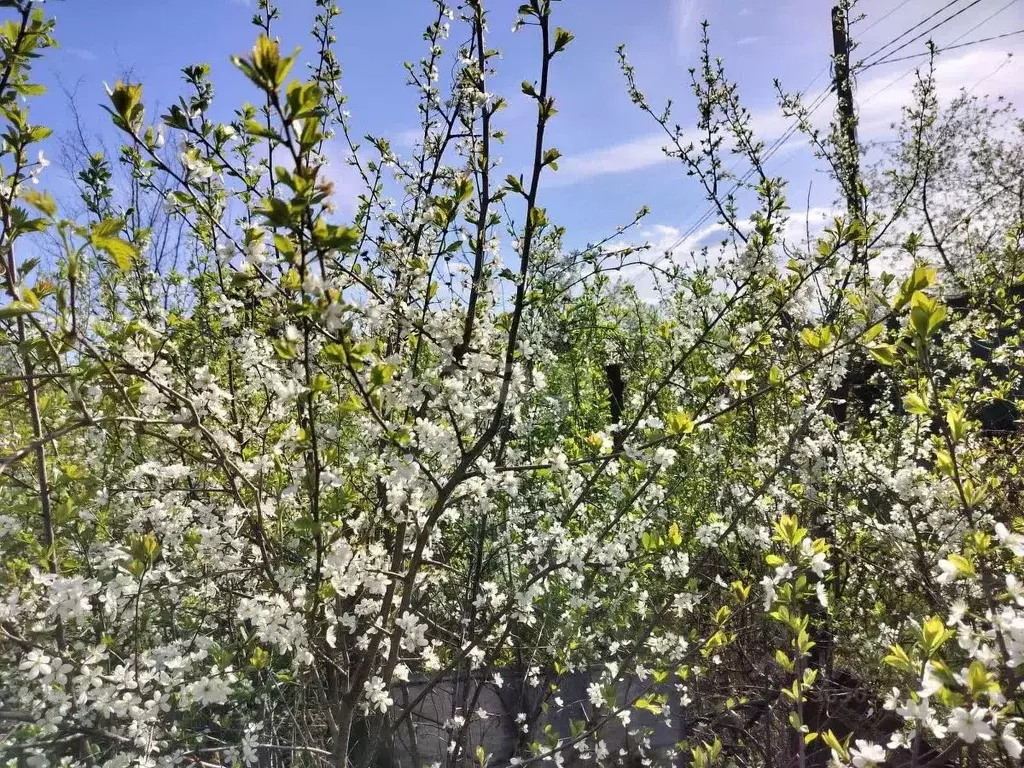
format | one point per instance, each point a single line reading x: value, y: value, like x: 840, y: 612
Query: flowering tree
x: 251, y: 491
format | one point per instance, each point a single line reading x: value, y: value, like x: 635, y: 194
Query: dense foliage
x: 260, y: 467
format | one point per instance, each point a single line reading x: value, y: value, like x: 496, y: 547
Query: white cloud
x: 668, y: 240
x: 810, y: 223
x: 881, y: 98
x: 667, y: 246
x: 408, y: 137
x: 348, y: 184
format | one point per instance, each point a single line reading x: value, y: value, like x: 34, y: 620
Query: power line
x: 908, y: 31
x: 947, y: 48
x: 816, y: 104
x: 712, y: 210
x: 993, y: 73
x: 772, y: 150
x: 882, y: 18
x: 781, y: 140
x: 926, y: 32
x: 910, y: 71
x: 984, y: 21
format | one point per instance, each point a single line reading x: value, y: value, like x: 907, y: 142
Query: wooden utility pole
x: 821, y: 630
x: 847, y: 115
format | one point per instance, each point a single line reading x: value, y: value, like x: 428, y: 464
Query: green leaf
x: 29, y: 297
x: 335, y: 353
x: 284, y: 350
x: 648, y: 704
x: 285, y: 245
x: 538, y: 218
x: 267, y: 68
x: 41, y: 201
x: 128, y: 110
x: 944, y: 462
x: 121, y: 251
x: 259, y: 658
x: 16, y: 309
x: 872, y: 333
x: 898, y: 658
x: 680, y: 422
x: 108, y: 227
x: 933, y: 635
x: 673, y: 534
x: 562, y: 39
x: 915, y: 404
x: 551, y: 158
x: 884, y: 353
x: 833, y: 743
x: 926, y: 314
x: 276, y: 211
x: 341, y: 238
x: 381, y: 374
x: 260, y: 130
x: 515, y: 184
x: 977, y: 678
x: 816, y: 340
x: 957, y: 424
x: 963, y: 566
x: 922, y: 277
x: 39, y: 133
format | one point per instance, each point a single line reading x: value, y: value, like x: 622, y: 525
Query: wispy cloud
x: 880, y: 100
x: 82, y: 54
x: 637, y: 154
x: 685, y: 25
x: 648, y: 151
x: 749, y: 40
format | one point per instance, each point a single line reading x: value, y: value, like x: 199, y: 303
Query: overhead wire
x: 991, y: 74
x: 951, y: 47
x: 910, y: 71
x: 820, y: 99
x: 955, y: 42
x: 906, y: 32
x: 772, y: 151
x: 928, y: 31
x: 984, y: 21
x: 883, y: 17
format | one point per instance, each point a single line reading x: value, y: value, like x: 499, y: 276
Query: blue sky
x: 612, y: 160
